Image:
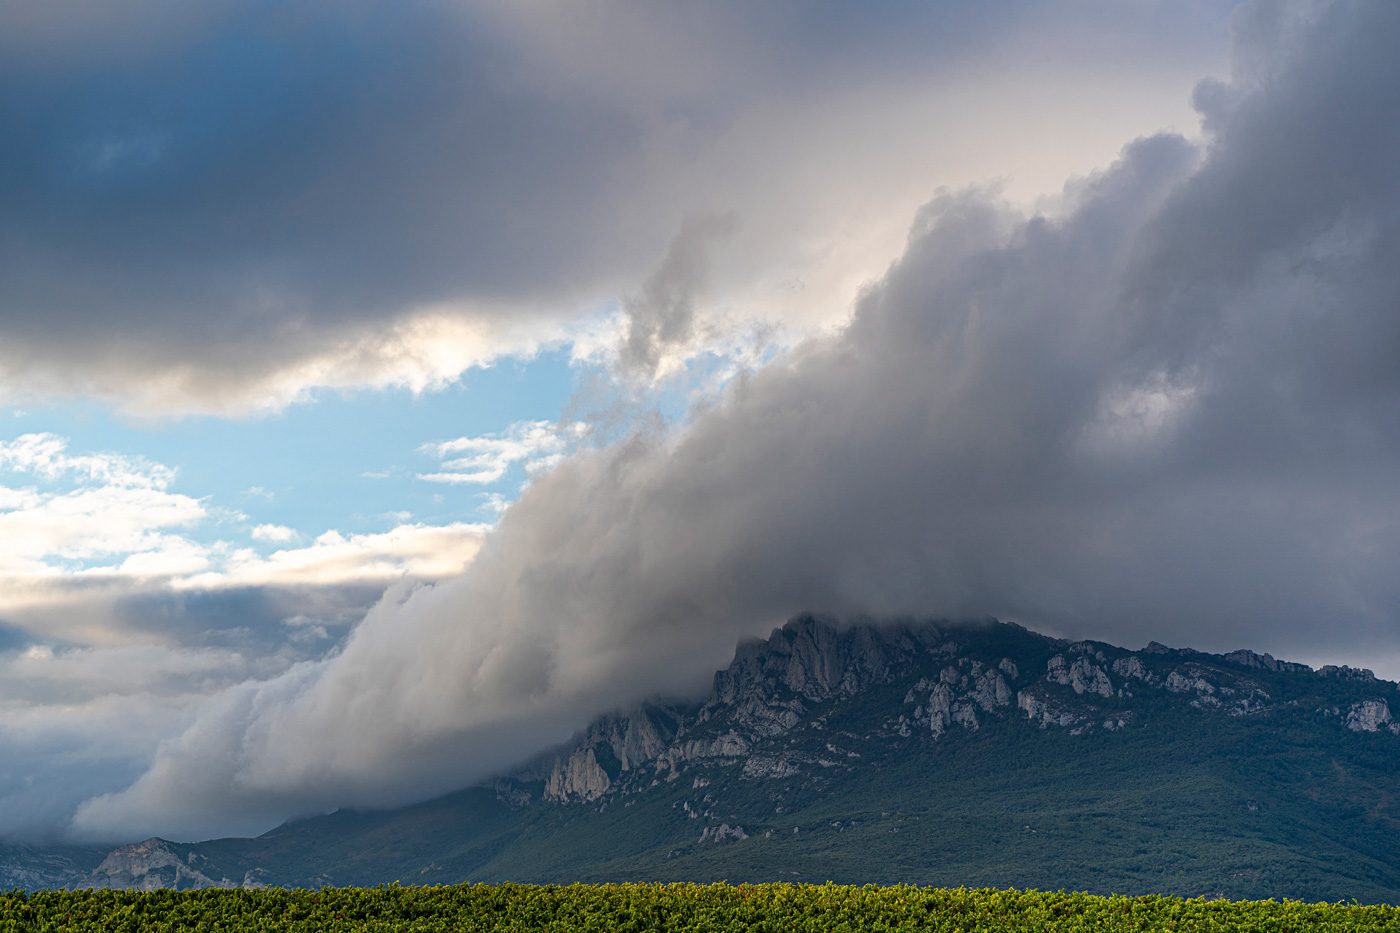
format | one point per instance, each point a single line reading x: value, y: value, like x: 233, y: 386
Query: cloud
x: 276, y: 534
x: 46, y: 456
x: 221, y: 210
x: 1167, y: 411
x: 98, y: 549
x: 119, y: 621
x: 75, y: 720
x: 424, y: 552
x: 484, y: 460
x: 661, y: 318
x: 89, y: 506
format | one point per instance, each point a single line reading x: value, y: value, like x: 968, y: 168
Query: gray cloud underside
x: 195, y: 199
x: 1170, y: 413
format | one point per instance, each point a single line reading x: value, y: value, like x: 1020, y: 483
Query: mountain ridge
x: 1263, y: 760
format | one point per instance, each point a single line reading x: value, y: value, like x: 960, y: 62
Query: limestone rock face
x: 1082, y: 676
x: 723, y: 833
x: 1266, y: 662
x: 577, y: 777
x: 940, y: 708
x: 1042, y: 712
x: 1132, y: 667
x: 769, y: 767
x: 635, y: 736
x: 990, y: 691
x: 960, y: 690
x: 1186, y: 681
x: 150, y: 865
x: 1369, y: 716
x: 768, y: 718
x: 1343, y: 672
x: 814, y: 660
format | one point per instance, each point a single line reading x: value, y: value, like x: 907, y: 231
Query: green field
x: 633, y: 908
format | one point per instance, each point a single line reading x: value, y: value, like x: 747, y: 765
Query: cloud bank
x: 1168, y: 411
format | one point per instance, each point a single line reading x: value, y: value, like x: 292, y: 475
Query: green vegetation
x: 619, y: 908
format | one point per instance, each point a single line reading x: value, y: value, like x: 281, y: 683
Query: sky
x: 387, y: 389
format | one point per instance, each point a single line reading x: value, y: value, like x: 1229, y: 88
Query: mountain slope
x: 979, y: 754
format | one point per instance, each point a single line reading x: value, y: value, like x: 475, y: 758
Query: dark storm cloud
x: 205, y: 206
x: 271, y: 181
x: 1170, y: 413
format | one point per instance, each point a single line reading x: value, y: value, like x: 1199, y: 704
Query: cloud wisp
x: 484, y: 460
x: 1167, y: 412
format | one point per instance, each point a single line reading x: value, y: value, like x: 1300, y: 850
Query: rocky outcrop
x: 621, y: 743
x: 723, y: 833
x: 1370, y: 716
x: 1132, y: 668
x: 1343, y: 672
x: 577, y: 777
x: 770, y: 767
x: 1082, y: 676
x: 959, y: 692
x: 1267, y: 662
x: 153, y: 864
x: 1044, y: 712
x: 939, y: 711
x: 990, y: 690
x: 726, y: 745
x: 1186, y: 681
x: 815, y: 660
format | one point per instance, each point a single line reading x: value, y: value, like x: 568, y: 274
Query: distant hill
x: 974, y: 754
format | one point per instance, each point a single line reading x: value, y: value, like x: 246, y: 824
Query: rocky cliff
x: 958, y: 677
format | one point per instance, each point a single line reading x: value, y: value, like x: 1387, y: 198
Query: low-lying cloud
x: 1167, y: 412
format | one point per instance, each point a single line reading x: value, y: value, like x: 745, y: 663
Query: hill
x: 918, y: 752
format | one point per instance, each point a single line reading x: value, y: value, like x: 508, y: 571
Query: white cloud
x: 94, y: 529
x: 276, y: 534
x: 483, y: 460
x: 46, y: 456
x: 110, y: 506
x: 426, y: 552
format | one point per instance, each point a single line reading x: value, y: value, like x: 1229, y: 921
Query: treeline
x: 635, y: 908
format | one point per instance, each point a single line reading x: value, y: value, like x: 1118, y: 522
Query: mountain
x: 32, y: 866
x: 932, y: 753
